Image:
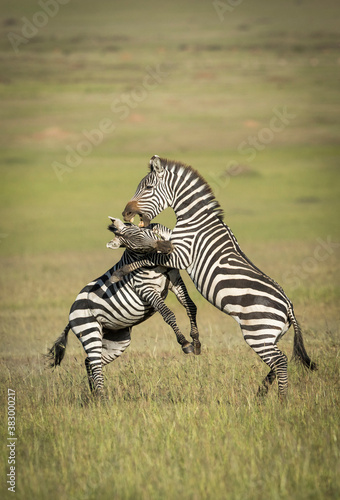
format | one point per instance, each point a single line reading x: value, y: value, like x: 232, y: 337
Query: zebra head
x: 137, y: 239
x: 151, y: 196
x: 172, y: 184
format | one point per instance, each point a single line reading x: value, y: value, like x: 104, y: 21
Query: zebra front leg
x: 178, y: 287
x: 149, y: 295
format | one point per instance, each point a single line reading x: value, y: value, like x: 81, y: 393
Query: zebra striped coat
x: 103, y: 313
x: 207, y: 249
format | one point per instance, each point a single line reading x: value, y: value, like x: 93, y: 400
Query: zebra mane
x: 183, y: 169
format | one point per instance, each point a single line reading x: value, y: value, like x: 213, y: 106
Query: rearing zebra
x: 104, y: 313
x: 207, y: 249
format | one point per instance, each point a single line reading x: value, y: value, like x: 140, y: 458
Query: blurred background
x: 245, y: 92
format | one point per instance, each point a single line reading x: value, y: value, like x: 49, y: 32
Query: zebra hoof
x: 197, y: 348
x: 262, y: 392
x: 188, y: 349
x: 99, y: 397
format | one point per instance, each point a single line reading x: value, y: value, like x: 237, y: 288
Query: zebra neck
x: 197, y: 217
x: 194, y: 212
x: 191, y: 195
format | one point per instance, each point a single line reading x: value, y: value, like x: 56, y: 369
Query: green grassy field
x: 208, y: 88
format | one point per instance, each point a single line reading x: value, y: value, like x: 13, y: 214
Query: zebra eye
x: 148, y: 187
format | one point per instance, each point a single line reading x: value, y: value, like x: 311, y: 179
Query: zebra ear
x: 156, y: 165
x: 117, y: 223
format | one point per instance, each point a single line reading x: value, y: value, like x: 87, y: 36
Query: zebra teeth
x: 132, y: 219
x: 141, y: 223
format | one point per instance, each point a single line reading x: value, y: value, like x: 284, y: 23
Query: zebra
x: 103, y: 313
x: 207, y: 249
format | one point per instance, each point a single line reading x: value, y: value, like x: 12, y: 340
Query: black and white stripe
x: 104, y: 313
x: 206, y: 247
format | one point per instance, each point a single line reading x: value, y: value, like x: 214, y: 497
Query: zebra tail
x: 299, y: 350
x: 57, y: 352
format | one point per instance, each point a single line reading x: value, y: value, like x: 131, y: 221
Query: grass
x: 173, y: 426
x: 176, y: 427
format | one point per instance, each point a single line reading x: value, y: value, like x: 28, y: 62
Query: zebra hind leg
x: 89, y: 374
x: 98, y: 381
x: 113, y: 345
x: 115, y: 342
x: 274, y: 358
x: 95, y: 379
x: 266, y: 383
x: 90, y: 335
x: 95, y: 376
x: 278, y: 362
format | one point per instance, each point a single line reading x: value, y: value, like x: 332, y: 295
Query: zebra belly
x: 115, y: 311
x: 119, y: 312
x: 259, y: 306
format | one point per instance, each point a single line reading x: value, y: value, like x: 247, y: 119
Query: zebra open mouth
x: 144, y: 220
x: 131, y: 210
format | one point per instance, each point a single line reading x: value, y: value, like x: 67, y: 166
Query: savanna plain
x: 248, y: 95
